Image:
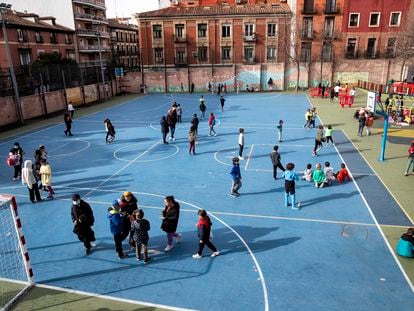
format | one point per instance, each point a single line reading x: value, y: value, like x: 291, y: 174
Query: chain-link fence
x: 35, y: 79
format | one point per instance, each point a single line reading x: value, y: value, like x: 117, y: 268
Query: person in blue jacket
x: 236, y: 176
x: 290, y: 178
x: 405, y: 246
x: 116, y: 224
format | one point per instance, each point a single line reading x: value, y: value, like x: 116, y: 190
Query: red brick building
x: 30, y: 35
x: 124, y: 43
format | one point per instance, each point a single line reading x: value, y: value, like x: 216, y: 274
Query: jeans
x: 144, y: 247
x: 409, y: 164
x: 241, y: 147
x: 212, y: 130
x: 172, y: 130
x: 279, y: 165
x: 118, y: 244
x: 236, y: 185
x: 34, y: 192
x: 170, y: 237
x: 209, y: 245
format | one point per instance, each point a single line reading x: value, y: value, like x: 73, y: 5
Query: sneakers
x: 215, y: 254
x: 88, y: 251
x: 147, y: 260
x: 241, y: 158
x: 234, y: 194
x: 215, y: 135
x: 178, y: 238
x: 122, y: 256
x: 197, y: 256
x: 168, y: 248
x: 405, y: 174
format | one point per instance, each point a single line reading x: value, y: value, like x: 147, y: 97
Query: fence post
x: 42, y: 95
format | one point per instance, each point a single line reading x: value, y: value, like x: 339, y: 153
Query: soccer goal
x: 16, y: 275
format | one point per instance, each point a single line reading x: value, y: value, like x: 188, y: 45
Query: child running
x: 241, y: 143
x: 328, y: 135
x: 342, y: 174
x: 290, y: 178
x: 204, y: 229
x: 318, y: 176
x: 139, y: 229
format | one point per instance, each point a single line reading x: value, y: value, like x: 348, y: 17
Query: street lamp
x: 3, y: 9
x: 98, y: 34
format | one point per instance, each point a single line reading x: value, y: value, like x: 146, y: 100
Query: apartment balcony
x: 180, y: 39
x: 329, y: 36
x: 351, y: 54
x: 250, y: 38
x: 308, y: 35
x: 249, y: 60
x: 181, y: 62
x: 309, y: 10
x: 91, y: 33
x: 331, y: 10
x: 93, y: 48
x: 371, y: 54
x: 91, y: 17
x: 99, y: 4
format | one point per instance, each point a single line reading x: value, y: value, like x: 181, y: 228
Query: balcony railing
x: 95, y: 3
x: 249, y: 60
x: 250, y: 38
x: 180, y: 61
x: 331, y: 9
x: 328, y: 36
x: 91, y: 17
x: 22, y: 39
x: 371, y: 54
x: 351, y: 54
x: 180, y: 39
x: 309, y: 10
x: 308, y: 35
x: 91, y: 32
x: 68, y: 41
x: 93, y: 48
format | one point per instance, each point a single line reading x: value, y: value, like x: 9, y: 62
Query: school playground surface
x: 335, y: 253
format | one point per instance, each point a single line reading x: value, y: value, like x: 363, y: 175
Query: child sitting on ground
x: 307, y: 173
x: 342, y: 174
x: 405, y: 246
x: 318, y: 176
x: 329, y: 174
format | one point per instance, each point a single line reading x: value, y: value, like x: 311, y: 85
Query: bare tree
x: 404, y: 44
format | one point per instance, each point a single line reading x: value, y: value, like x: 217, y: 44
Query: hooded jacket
x: 28, y: 177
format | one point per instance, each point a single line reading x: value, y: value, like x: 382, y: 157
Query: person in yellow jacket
x: 46, y: 177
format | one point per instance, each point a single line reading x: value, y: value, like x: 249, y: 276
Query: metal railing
x: 91, y: 32
x: 91, y: 17
x: 97, y: 3
x: 250, y: 38
x: 93, y: 48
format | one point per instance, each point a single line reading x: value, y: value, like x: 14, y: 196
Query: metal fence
x: 34, y: 80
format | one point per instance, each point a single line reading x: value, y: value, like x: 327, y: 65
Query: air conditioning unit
x: 195, y: 54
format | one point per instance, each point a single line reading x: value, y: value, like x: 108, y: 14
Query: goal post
x: 16, y: 274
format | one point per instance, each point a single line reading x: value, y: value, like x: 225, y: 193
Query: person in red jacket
x: 211, y: 123
x: 342, y: 174
x: 204, y: 232
x: 410, y: 159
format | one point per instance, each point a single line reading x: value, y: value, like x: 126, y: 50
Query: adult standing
x: 202, y: 107
x: 276, y: 161
x: 164, y: 129
x: 68, y: 122
x: 172, y: 121
x: 222, y: 100
x: 410, y: 159
x: 318, y: 140
x: 361, y: 123
x: 192, y: 87
x: 128, y: 204
x: 83, y: 220
x: 16, y: 154
x: 194, y: 122
x: 170, y: 216
x: 29, y: 179
x: 323, y: 91
x: 71, y: 110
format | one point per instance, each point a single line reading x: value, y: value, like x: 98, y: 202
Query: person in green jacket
x: 318, y: 176
x: 405, y: 246
x: 328, y: 135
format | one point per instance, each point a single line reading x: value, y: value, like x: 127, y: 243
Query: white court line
x: 391, y: 250
x: 14, y: 281
x: 363, y: 174
x: 124, y: 167
x: 92, y: 295
x: 248, y: 157
x: 144, y: 161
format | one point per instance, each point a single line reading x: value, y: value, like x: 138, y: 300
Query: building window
x: 158, y: 55
x: 351, y: 48
x: 327, y: 52
x: 25, y: 56
x: 38, y: 37
x: 249, y: 54
x: 202, y: 30
x: 374, y: 19
x: 68, y: 39
x: 225, y: 31
x: 179, y: 31
x: 353, y: 20
x: 308, y: 6
x: 271, y: 53
x: 180, y: 57
x: 306, y: 49
x: 156, y: 32
x: 40, y: 52
x: 202, y: 53
x: 226, y: 53
x: 330, y: 6
x: 329, y: 27
x: 21, y: 36
x: 271, y: 30
x: 307, y: 28
x: 370, y: 53
x: 395, y: 18
x: 249, y: 30
x: 390, y: 51
x: 53, y: 38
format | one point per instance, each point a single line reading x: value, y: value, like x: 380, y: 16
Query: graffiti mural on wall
x: 351, y: 77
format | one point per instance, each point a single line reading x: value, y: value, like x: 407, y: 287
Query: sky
x: 125, y: 8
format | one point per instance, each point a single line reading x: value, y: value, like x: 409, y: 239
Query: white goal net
x: 16, y: 276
